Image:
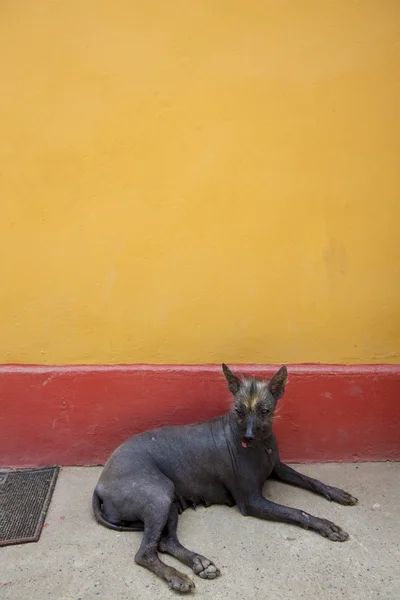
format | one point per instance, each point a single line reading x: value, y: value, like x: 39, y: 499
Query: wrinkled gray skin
x: 156, y: 475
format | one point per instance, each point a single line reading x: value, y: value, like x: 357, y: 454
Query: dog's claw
x: 204, y: 568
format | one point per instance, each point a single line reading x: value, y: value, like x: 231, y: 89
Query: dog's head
x: 255, y: 402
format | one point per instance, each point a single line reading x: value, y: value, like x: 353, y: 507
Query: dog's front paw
x: 204, y: 568
x: 331, y: 531
x: 180, y: 582
x: 341, y: 497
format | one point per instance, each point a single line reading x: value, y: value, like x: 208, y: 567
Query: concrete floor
x: 76, y: 559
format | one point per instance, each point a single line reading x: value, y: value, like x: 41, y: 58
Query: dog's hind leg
x: 169, y: 543
x: 155, y: 517
x: 289, y: 475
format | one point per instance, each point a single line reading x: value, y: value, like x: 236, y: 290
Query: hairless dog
x: 154, y: 476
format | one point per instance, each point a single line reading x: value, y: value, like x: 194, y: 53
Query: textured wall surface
x: 78, y: 415
x: 201, y: 181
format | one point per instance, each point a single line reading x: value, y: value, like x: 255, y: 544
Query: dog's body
x: 153, y: 476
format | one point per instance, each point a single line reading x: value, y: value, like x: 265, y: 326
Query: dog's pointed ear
x: 278, y: 383
x: 233, y: 381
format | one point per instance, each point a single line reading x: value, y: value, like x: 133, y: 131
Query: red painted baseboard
x: 77, y: 415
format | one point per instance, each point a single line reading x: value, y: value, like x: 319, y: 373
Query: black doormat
x: 24, y: 499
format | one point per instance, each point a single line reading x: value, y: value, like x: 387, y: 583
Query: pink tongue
x: 244, y: 444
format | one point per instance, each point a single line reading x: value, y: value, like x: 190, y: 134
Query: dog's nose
x: 249, y: 435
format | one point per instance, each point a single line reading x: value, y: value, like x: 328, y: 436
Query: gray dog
x: 156, y: 475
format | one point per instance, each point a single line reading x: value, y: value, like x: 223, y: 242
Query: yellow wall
x: 199, y: 181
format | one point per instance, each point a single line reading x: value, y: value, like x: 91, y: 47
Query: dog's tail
x: 96, y: 505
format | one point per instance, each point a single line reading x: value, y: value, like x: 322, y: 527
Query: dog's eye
x: 239, y: 412
x: 265, y: 411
